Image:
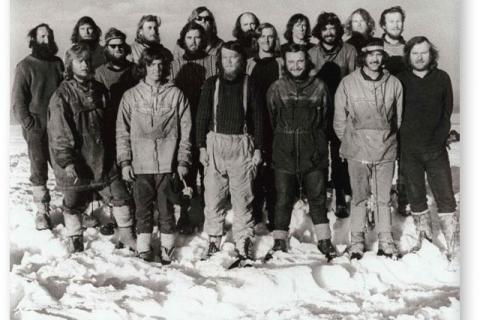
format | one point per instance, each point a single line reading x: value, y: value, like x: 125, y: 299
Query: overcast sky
x: 436, y: 19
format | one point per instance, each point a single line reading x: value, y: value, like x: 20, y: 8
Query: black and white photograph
x: 240, y: 159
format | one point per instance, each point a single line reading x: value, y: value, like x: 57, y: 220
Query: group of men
x: 246, y: 122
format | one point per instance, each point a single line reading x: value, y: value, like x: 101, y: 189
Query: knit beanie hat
x: 373, y: 44
x: 114, y: 33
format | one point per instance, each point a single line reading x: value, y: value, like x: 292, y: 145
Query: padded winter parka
x: 368, y: 116
x: 298, y: 114
x: 76, y: 132
x: 153, y: 129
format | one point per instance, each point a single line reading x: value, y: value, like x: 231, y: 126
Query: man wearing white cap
x: 368, y: 109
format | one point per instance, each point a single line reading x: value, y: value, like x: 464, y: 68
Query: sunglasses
x: 114, y: 46
x: 204, y: 18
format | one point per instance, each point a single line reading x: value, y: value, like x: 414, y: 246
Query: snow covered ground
x: 108, y: 283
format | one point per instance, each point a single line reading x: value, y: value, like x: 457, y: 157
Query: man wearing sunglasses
x: 204, y: 17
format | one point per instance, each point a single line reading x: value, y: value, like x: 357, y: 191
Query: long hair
x: 192, y: 26
x: 237, y: 30
x: 324, y: 19
x: 396, y: 9
x: 365, y: 16
x: 417, y: 40
x: 294, y: 47
x: 76, y: 51
x: 150, y: 54
x: 267, y: 25
x: 97, y: 32
x: 196, y: 12
x: 32, y: 36
x: 298, y: 17
x: 147, y: 18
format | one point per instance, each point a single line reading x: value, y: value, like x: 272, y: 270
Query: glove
x: 128, y: 174
x: 204, y: 157
x: 71, y: 173
x: 182, y: 171
x: 257, y: 157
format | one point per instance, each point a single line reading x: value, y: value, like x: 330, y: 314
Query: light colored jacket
x: 153, y: 129
x: 368, y: 116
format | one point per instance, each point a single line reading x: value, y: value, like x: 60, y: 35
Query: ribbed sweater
x: 230, y: 114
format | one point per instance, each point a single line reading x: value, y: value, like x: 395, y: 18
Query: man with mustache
x: 423, y: 136
x: 392, y: 22
x: 230, y: 138
x: 117, y: 75
x: 36, y: 78
x: 189, y: 72
x: 244, y: 32
x: 88, y: 32
x: 368, y: 111
x: 264, y: 69
x: 81, y: 152
x: 204, y: 17
x: 297, y: 104
x: 333, y: 60
x: 147, y: 36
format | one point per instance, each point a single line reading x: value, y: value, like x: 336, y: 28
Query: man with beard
x: 147, y: 36
x: 80, y: 151
x: 423, y: 136
x: 86, y: 31
x: 360, y: 26
x: 264, y: 69
x: 244, y: 32
x: 204, y: 17
x: 368, y: 111
x: 298, y: 105
x: 189, y: 72
x: 229, y: 135
x: 392, y: 22
x: 298, y: 31
x: 333, y: 60
x: 36, y: 78
x: 117, y: 75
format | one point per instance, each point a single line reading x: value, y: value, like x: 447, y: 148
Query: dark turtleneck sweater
x: 428, y: 105
x: 230, y: 113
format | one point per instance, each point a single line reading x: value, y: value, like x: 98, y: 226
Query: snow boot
x: 213, y: 246
x: 144, y: 248
x: 356, y: 248
x: 450, y: 229
x: 166, y: 255
x: 41, y: 199
x: 245, y: 248
x: 124, y: 220
x: 42, y: 217
x: 167, y: 248
x: 75, y: 244
x: 423, y: 223
x: 386, y: 245
x: 326, y: 247
x: 280, y: 245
